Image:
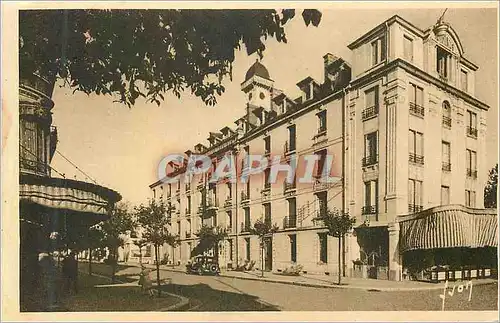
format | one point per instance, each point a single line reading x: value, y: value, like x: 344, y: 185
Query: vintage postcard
x: 222, y: 161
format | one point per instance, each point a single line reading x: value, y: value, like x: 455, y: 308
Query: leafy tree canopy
x: 490, y: 191
x: 146, y: 53
x: 263, y: 228
x: 338, y: 223
x: 116, y: 226
x: 154, y: 221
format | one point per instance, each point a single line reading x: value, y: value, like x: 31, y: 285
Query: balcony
x: 212, y: 203
x: 417, y: 110
x: 369, y: 113
x: 472, y: 173
x: 289, y: 188
x: 188, y: 211
x: 188, y: 188
x: 321, y: 183
x: 413, y: 208
x: 229, y: 228
x: 228, y: 202
x: 178, y: 193
x: 317, y: 222
x: 266, y: 193
x: 188, y: 234
x: 369, y: 209
x: 472, y: 132
x: 288, y: 149
x: 289, y: 222
x: 370, y: 160
x: 245, y: 197
x: 446, y: 167
x: 33, y: 166
x: 245, y: 227
x: 416, y: 159
x: 446, y: 122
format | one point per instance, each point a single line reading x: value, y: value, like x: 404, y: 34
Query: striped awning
x: 448, y: 226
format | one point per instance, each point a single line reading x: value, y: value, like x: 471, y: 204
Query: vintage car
x: 203, y: 265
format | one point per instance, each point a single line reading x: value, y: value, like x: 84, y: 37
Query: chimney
x: 328, y: 59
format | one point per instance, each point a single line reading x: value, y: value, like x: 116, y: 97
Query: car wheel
x: 200, y: 272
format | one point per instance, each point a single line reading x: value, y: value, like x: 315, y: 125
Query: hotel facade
x: 407, y: 136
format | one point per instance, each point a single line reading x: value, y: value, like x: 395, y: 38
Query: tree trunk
x: 262, y: 258
x: 157, y: 270
x: 113, y: 265
x: 90, y: 261
x: 173, y: 256
x: 343, y: 256
x: 140, y: 255
x: 340, y: 258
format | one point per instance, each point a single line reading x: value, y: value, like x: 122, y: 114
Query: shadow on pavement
x: 205, y: 298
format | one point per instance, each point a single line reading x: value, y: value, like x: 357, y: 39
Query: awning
x: 449, y: 226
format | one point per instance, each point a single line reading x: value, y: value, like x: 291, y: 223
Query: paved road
x: 229, y: 294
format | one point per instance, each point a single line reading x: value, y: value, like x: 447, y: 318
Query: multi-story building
x: 407, y: 136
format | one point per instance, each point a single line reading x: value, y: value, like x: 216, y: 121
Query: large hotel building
x: 407, y: 135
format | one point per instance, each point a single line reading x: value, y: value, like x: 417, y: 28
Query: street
x: 209, y: 293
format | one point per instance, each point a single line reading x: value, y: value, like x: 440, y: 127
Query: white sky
x: 121, y: 147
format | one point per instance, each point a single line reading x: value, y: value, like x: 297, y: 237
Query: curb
x: 184, y: 301
x: 366, y: 288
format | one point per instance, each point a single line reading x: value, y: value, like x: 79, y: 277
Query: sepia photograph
x: 242, y: 157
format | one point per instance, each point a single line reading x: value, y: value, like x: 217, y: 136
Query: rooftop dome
x: 257, y: 69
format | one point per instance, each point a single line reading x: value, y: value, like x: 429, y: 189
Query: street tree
x: 209, y: 238
x: 155, y: 229
x: 114, y: 231
x: 146, y: 53
x: 338, y: 225
x: 141, y: 243
x: 490, y: 191
x: 264, y: 230
x: 173, y: 241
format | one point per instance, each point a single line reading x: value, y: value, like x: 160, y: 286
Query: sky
x: 121, y: 148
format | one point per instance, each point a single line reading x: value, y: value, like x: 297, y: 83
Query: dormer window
x: 309, y: 92
x: 442, y: 62
x: 463, y: 80
x: 378, y: 50
x: 283, y: 106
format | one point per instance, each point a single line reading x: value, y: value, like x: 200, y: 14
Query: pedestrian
x: 70, y: 272
x: 145, y: 281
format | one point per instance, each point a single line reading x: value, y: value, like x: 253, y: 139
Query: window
x: 321, y: 121
x: 189, y: 226
x: 179, y: 227
x: 231, y: 249
x: 416, y: 147
x: 446, y: 114
x: 371, y: 150
x: 378, y: 51
x: 267, y: 173
x: 471, y: 163
x: 321, y: 163
x: 414, y: 196
x: 154, y: 193
x: 471, y: 124
x: 267, y: 213
x: 229, y: 190
x: 323, y: 247
x: 408, y: 48
x: 247, y: 248
x: 293, y: 247
x: 246, y: 226
x: 470, y: 198
x: 322, y: 202
x: 371, y: 198
x: 445, y: 155
x: 416, y: 100
x: 445, y: 195
x: 291, y: 138
x: 371, y: 103
x: 188, y: 204
x: 292, y: 213
x: 463, y: 80
x: 442, y: 64
x: 267, y: 145
x: 230, y: 219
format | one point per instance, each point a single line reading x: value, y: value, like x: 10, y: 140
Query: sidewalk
x: 323, y: 281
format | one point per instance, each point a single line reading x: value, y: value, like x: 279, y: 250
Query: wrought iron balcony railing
x: 416, y: 159
x: 446, y: 167
x: 245, y: 227
x: 472, y: 173
x: 369, y: 209
x: 289, y: 222
x: 369, y: 112
x: 244, y: 196
x: 447, y: 121
x: 416, y: 109
x: 370, y: 160
x: 33, y: 166
x: 472, y: 132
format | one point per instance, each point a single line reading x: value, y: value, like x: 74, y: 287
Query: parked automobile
x: 203, y: 265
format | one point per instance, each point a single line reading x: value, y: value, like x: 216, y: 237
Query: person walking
x: 70, y: 272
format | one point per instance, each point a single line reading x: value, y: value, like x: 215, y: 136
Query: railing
x: 416, y: 109
x: 413, y: 208
x: 447, y: 121
x: 33, y: 166
x: 289, y: 222
x: 244, y: 196
x: 472, y: 132
x: 446, y: 167
x: 370, y: 160
x: 177, y: 193
x: 289, y: 186
x: 369, y: 209
x: 228, y: 202
x: 321, y: 131
x: 188, y: 234
x: 245, y: 227
x: 266, y: 194
x: 212, y: 203
x: 417, y: 159
x: 369, y: 112
x: 472, y: 173
x: 288, y: 148
x: 188, y: 211
x: 188, y: 187
x: 229, y: 228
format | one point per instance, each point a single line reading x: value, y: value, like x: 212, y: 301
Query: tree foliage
x: 209, y: 238
x: 490, y: 191
x: 146, y: 53
x: 263, y: 229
